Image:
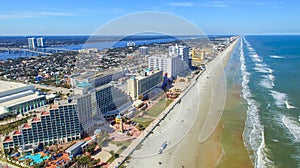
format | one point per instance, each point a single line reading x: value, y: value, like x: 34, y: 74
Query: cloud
x: 186, y: 4
x: 23, y: 15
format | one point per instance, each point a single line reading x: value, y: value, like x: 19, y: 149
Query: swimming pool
x: 36, y: 159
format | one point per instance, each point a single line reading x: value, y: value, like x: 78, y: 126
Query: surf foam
x: 279, y: 98
x: 276, y: 56
x: 293, y: 127
x: 266, y: 83
x: 254, y: 131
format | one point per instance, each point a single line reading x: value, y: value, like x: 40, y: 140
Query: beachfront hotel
x: 84, y: 108
x: 143, y: 83
x: 66, y: 120
x: 177, y: 62
x: 57, y: 124
x: 172, y: 65
x: 180, y: 51
x: 97, y: 80
x: 109, y: 98
x: 18, y: 98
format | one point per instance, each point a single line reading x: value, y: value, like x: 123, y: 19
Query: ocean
x: 270, y: 70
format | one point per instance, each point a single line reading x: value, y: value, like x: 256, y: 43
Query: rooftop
x: 35, y: 119
x: 83, y: 84
x: 7, y: 139
x: 26, y: 125
x: 21, y: 100
x: 75, y: 146
x: 18, y: 132
x: 149, y: 73
x: 5, y: 85
x: 45, y: 113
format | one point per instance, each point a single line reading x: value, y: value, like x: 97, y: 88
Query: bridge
x: 37, y: 51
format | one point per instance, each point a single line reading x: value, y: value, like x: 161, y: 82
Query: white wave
x: 288, y: 106
x: 266, y: 83
x: 271, y: 77
x: 260, y: 65
x: 250, y: 49
x: 256, y: 59
x: 263, y: 70
x: 255, y: 56
x: 263, y: 160
x: 253, y: 132
x: 270, y: 70
x: 279, y: 98
x: 275, y: 56
x: 293, y: 126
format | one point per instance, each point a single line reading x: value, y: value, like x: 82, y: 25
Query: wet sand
x: 225, y: 147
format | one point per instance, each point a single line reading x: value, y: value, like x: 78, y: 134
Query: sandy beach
x: 190, y: 128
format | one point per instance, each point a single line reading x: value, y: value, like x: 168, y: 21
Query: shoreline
x: 176, y: 152
x: 229, y: 133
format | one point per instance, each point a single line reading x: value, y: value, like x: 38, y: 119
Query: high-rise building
x: 177, y: 62
x: 173, y: 65
x: 180, y: 51
x: 100, y: 80
x: 31, y: 43
x: 40, y: 42
x: 59, y: 123
x: 97, y: 90
x: 85, y: 110
x: 97, y: 80
x: 144, y: 83
x: 143, y: 50
x: 108, y: 99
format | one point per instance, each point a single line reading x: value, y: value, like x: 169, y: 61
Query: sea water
x: 270, y: 70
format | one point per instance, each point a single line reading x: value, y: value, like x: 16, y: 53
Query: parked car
x: 162, y: 147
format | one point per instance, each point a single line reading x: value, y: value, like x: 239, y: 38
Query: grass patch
x: 111, y: 159
x: 121, y: 143
x: 169, y: 101
x: 121, y: 149
x: 143, y: 121
x: 159, y: 107
x: 45, y: 90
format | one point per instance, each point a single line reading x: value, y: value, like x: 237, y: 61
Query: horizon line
x: 215, y: 34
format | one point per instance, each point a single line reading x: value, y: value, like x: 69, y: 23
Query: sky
x: 84, y: 17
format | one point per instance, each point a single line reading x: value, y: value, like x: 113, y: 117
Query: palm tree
x: 27, y: 162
